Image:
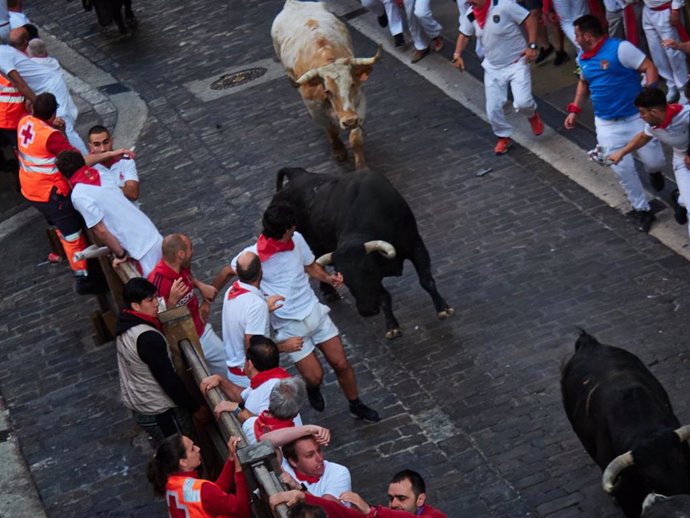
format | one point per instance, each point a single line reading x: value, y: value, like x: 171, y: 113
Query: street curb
x: 562, y: 153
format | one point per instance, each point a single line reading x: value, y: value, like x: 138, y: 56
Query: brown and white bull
x: 316, y: 50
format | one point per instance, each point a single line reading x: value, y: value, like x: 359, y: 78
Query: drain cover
x: 237, y: 78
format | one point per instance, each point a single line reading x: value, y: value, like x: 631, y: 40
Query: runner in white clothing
x: 670, y: 124
x: 497, y: 24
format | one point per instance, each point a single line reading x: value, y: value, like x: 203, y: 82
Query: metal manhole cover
x: 237, y: 78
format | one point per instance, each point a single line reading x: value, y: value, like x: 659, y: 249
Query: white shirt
x: 248, y: 428
x: 335, y: 480
x: 39, y: 78
x: 675, y: 134
x: 132, y: 228
x: 283, y: 274
x: 18, y: 20
x: 246, y: 314
x: 257, y: 400
x: 122, y: 171
x: 49, y: 62
x: 501, y: 37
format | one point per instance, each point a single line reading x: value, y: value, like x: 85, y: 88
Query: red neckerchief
x: 481, y: 13
x: 266, y: 423
x: 305, y: 478
x: 236, y: 290
x: 593, y: 52
x: 267, y: 246
x: 111, y: 162
x: 671, y: 111
x: 151, y: 320
x: 87, y: 175
x: 263, y: 376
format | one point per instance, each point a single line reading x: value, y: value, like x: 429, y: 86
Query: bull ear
x: 361, y: 72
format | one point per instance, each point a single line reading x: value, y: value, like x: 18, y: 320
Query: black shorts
x: 59, y: 211
x: 531, y: 5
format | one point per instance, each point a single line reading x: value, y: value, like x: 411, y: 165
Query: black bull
x: 625, y: 421
x: 339, y: 214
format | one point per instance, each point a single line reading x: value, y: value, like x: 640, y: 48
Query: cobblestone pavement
x: 473, y: 402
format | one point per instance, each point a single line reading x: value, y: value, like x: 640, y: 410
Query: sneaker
x: 316, y: 398
x: 643, y: 219
x: 537, y: 124
x: 680, y: 213
x: 672, y: 94
x: 54, y: 258
x: 544, y: 52
x: 503, y: 145
x: 359, y: 410
x: 437, y: 44
x: 657, y: 181
x: 417, y: 55
x: 399, y: 40
x: 383, y: 20
x: 561, y: 57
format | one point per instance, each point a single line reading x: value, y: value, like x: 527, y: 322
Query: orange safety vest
x: 37, y: 171
x: 12, y: 107
x: 183, y: 495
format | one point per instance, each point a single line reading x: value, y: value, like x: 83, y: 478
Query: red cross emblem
x: 27, y: 134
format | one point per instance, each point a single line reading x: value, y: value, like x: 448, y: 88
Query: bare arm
x: 131, y: 190
x: 460, y: 45
x: 19, y: 83
x: 316, y: 271
x: 109, y: 240
x: 581, y: 95
x: 97, y: 158
x: 651, y: 74
x: 223, y: 277
x: 635, y: 143
x: 530, y: 24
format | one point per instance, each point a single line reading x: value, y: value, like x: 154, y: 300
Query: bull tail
x: 585, y: 340
x: 287, y: 172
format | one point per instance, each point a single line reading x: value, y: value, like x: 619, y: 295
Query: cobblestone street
x: 473, y: 403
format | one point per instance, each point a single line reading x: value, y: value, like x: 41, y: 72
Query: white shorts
x: 315, y: 329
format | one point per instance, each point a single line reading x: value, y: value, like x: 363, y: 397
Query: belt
x: 662, y: 7
x: 237, y: 371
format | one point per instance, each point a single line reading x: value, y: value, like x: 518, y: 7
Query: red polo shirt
x: 163, y: 277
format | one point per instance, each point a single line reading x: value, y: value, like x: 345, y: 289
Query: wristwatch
x: 532, y: 46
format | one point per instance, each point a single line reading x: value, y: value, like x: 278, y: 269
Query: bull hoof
x: 446, y: 313
x: 393, y: 333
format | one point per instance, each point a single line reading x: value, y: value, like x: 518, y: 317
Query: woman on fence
x: 172, y: 472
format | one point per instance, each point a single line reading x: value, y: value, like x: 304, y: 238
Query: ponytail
x: 165, y: 461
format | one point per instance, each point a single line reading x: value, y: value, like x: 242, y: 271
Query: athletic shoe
x: 544, y: 52
x: 399, y: 40
x: 437, y: 44
x: 657, y: 181
x: 537, y: 124
x: 316, y: 398
x: 359, y: 410
x: 561, y: 57
x: 417, y: 55
x: 643, y: 219
x: 54, y: 258
x: 502, y: 145
x: 672, y: 94
x: 383, y: 20
x: 680, y: 213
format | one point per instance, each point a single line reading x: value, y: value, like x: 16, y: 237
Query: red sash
x: 267, y: 246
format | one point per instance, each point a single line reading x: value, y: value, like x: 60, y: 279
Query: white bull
x: 316, y: 50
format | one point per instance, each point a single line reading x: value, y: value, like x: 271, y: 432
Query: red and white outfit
x: 337, y: 510
x: 162, y: 276
x: 189, y: 496
x: 255, y: 427
x: 498, y: 29
x: 674, y: 132
x: 256, y: 398
x: 100, y: 200
x: 421, y: 22
x: 390, y: 9
x: 122, y: 170
x: 334, y: 481
x: 245, y: 312
x: 656, y: 23
x: 283, y: 274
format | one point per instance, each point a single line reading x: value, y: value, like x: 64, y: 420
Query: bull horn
x: 308, y: 76
x: 683, y: 433
x: 623, y: 461
x: 325, y: 259
x: 383, y: 247
x: 367, y: 61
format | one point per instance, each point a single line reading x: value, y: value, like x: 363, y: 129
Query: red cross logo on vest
x: 176, y: 509
x: 27, y: 134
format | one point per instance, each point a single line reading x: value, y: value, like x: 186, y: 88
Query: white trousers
x: 568, y: 11
x: 682, y: 173
x: 73, y: 137
x: 390, y: 9
x: 496, y: 82
x: 670, y: 63
x: 421, y: 22
x: 151, y: 258
x: 214, y: 352
x: 612, y: 135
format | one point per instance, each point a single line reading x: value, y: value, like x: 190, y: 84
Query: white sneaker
x: 672, y: 94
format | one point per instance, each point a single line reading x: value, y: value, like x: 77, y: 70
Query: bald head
x: 177, y: 250
x: 19, y: 38
x: 249, y: 268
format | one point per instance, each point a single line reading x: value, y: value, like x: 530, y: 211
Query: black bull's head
x: 359, y: 265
